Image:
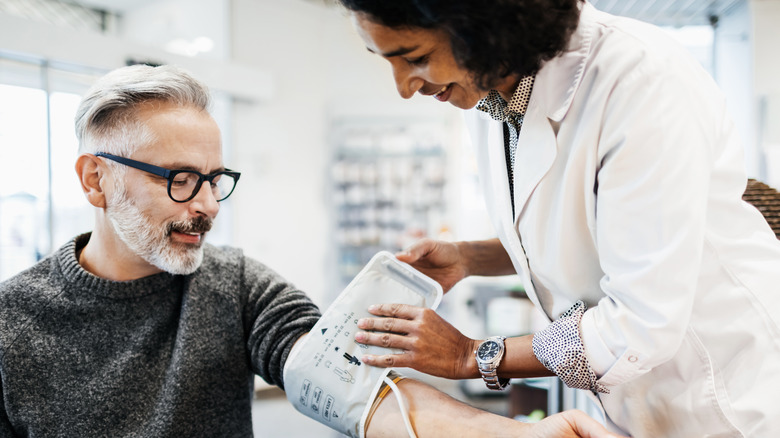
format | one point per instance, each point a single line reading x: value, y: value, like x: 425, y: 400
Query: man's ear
x: 92, y: 177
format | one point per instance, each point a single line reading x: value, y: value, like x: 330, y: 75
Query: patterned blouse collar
x: 500, y: 110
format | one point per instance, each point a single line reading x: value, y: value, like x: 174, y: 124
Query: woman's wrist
x: 465, y: 257
x: 484, y: 257
x: 469, y: 369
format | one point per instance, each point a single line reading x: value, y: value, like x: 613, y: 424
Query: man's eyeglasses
x: 183, y: 185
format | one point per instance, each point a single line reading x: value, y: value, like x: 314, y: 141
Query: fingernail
x: 360, y: 336
x: 372, y: 308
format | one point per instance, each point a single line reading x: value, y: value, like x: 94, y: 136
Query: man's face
x: 164, y: 233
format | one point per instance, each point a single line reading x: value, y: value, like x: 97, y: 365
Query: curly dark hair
x: 492, y: 39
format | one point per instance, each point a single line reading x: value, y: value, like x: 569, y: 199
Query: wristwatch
x: 489, y: 354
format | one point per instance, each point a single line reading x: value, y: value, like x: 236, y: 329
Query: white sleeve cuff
x: 611, y: 370
x: 600, y: 357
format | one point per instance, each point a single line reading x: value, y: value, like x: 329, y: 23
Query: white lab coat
x: 627, y: 191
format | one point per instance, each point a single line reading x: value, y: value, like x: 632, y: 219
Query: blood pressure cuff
x: 324, y: 377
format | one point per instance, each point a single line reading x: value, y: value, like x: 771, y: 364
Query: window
x: 41, y: 204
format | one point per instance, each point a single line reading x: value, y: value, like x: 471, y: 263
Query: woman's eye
x: 418, y: 61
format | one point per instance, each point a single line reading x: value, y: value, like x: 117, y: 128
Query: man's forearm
x: 486, y: 258
x: 435, y: 414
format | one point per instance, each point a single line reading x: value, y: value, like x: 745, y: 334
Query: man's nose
x: 205, y: 201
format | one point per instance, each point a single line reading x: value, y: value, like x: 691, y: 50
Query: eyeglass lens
x: 185, y: 184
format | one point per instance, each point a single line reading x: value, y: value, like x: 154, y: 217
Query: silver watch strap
x: 492, y: 380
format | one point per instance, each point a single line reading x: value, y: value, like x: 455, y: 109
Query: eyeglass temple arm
x: 156, y: 170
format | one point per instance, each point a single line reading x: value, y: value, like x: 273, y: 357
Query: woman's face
x: 422, y: 62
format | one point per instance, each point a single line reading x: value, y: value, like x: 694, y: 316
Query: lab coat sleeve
x: 656, y: 155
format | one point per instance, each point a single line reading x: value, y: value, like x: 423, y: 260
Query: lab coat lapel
x: 497, y: 194
x: 535, y: 154
x: 500, y: 179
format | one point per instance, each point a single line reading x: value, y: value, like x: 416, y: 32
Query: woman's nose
x: 406, y: 82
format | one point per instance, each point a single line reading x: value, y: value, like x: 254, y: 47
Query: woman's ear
x: 92, y: 177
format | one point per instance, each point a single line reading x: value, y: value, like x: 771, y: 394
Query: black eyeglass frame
x: 170, y: 174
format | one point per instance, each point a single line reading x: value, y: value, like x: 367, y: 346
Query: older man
x: 139, y: 328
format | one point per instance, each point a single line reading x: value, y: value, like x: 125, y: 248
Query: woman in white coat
x: 613, y: 177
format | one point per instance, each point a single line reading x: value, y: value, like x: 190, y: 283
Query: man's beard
x: 152, y: 242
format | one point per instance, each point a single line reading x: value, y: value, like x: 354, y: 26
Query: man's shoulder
x: 229, y: 257
x: 222, y: 268
x: 227, y: 261
x: 35, y: 277
x: 24, y: 295
x: 222, y: 256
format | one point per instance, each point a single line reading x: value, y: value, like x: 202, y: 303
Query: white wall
x: 766, y: 46
x: 733, y: 69
x: 173, y: 23
x: 766, y: 17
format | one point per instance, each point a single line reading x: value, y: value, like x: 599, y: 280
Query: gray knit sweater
x: 162, y: 356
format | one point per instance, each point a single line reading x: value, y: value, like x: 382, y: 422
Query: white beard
x: 152, y: 241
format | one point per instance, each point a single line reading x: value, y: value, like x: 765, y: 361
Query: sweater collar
x: 77, y: 276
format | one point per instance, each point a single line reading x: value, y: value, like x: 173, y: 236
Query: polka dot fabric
x: 559, y: 348
x: 519, y: 102
x: 512, y: 114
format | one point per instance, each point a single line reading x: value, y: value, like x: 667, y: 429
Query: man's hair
x: 106, y: 120
x: 491, y: 39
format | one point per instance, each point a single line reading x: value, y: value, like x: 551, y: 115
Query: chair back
x: 766, y: 200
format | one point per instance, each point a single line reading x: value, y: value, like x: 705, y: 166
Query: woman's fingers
x: 395, y: 310
x: 386, y: 340
x: 418, y: 250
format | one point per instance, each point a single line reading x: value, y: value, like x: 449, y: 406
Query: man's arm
x: 277, y: 314
x: 435, y: 414
x: 5, y: 425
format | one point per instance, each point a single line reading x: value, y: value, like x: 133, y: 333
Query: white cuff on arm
x: 560, y: 349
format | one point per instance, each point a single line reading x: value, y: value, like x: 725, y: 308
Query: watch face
x: 487, y: 350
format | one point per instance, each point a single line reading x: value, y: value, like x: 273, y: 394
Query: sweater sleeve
x: 276, y: 315
x: 5, y: 424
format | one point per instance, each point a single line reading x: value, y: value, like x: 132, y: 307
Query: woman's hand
x: 571, y: 423
x: 440, y: 260
x: 430, y: 344
x: 448, y: 262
